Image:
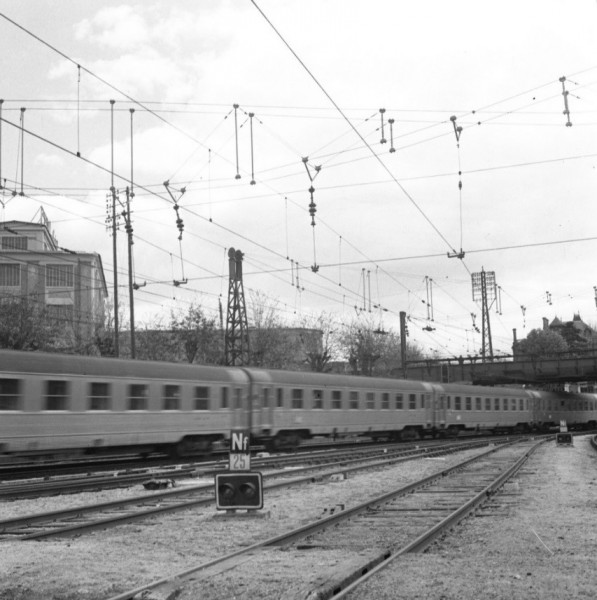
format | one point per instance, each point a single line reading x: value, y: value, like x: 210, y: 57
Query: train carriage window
x: 297, y: 398
x: 224, y: 403
x: 280, y: 398
x: 171, y: 397
x: 137, y: 396
x: 457, y: 403
x: 468, y: 403
x: 412, y: 402
x: 10, y: 394
x: 505, y: 403
x: 385, y: 401
x: 318, y: 399
x: 354, y: 400
x: 265, y: 400
x: 99, y: 395
x: 202, y: 397
x: 513, y: 404
x: 57, y: 395
x: 521, y: 404
x: 449, y: 402
x: 399, y: 401
x: 238, y: 397
x: 487, y: 403
x: 370, y: 400
x: 336, y: 399
x: 496, y: 404
x: 477, y: 403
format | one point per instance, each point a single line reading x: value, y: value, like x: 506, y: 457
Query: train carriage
x: 61, y: 402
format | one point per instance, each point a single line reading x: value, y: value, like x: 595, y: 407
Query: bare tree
x: 272, y: 346
x: 371, y: 351
x: 318, y: 341
x: 198, y: 336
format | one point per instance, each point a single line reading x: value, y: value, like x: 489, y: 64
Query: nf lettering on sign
x: 239, y: 441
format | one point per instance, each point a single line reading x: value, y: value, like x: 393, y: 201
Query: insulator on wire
x: 383, y: 139
x: 566, y: 109
x: 391, y: 122
x: 235, y: 106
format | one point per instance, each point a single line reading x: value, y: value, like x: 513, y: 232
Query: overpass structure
x: 532, y: 370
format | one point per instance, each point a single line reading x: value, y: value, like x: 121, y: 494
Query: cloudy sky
x: 469, y: 85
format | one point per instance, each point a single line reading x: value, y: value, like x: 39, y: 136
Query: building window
x: 9, y: 394
x: 336, y: 399
x: 99, y: 396
x: 60, y: 276
x: 137, y: 398
x: 297, y: 398
x: 61, y: 314
x: 318, y: 399
x: 202, y: 397
x: 14, y: 242
x: 10, y: 275
x: 56, y: 395
x: 171, y: 397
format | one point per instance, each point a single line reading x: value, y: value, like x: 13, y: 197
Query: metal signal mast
x: 484, y: 291
x: 236, y: 341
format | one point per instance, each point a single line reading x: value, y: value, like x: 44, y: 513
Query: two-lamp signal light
x: 239, y: 491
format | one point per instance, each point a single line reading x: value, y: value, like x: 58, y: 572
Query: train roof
x: 15, y: 361
x: 310, y: 378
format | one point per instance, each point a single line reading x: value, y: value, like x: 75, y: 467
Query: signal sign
x: 240, y: 450
x: 239, y: 490
x: 240, y: 441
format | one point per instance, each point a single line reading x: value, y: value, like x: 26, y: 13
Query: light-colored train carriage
x: 60, y: 402
x: 289, y: 406
x: 487, y: 408
x: 578, y: 411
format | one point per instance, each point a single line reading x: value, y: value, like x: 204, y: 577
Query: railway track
x: 84, y: 519
x: 61, y: 484
x: 342, y: 551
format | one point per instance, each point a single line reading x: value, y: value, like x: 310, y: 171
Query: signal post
x: 239, y: 487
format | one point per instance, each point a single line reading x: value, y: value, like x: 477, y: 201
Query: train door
x: 435, y: 409
x: 240, y: 408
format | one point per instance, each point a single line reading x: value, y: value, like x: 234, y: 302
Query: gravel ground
x: 539, y: 541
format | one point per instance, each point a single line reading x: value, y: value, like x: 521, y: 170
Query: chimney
x: 545, y: 324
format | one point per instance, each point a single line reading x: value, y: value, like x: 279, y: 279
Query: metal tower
x: 236, y: 341
x: 484, y: 291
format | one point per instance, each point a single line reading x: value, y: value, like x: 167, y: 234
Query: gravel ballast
x: 539, y: 540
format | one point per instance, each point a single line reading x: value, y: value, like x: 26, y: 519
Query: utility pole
x: 403, y: 334
x: 236, y: 340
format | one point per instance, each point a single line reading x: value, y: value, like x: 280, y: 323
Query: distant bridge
x: 534, y: 370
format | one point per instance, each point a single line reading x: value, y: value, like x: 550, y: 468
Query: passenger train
x: 62, y: 404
